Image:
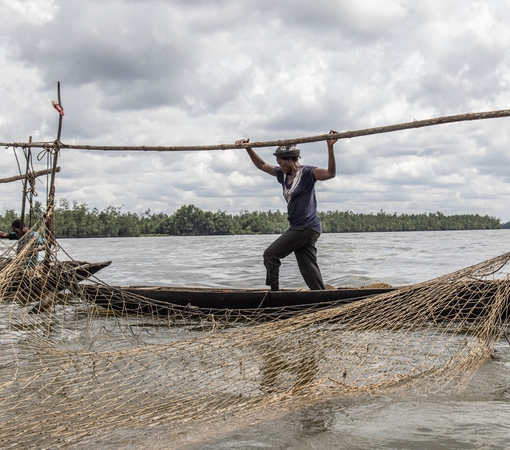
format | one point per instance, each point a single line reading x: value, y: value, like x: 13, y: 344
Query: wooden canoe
x: 58, y: 276
x: 83, y: 269
x: 469, y: 300
x: 163, y: 301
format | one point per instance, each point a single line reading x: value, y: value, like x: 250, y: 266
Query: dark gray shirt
x: 300, y: 197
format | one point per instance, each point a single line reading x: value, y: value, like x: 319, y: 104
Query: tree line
x: 78, y: 220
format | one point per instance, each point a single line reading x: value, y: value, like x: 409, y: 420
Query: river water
x: 478, y: 418
x: 351, y: 259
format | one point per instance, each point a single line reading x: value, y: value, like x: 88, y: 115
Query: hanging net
x: 82, y: 363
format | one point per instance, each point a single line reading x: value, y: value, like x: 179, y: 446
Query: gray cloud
x: 196, y: 72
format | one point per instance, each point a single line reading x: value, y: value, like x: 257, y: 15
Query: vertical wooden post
x: 50, y: 208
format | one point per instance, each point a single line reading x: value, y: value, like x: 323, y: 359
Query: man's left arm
x: 326, y: 174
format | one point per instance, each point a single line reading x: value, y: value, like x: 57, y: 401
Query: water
x: 478, y: 418
x: 353, y: 259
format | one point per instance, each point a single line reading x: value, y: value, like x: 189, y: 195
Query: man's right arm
x: 4, y: 235
x: 260, y: 163
x: 256, y: 159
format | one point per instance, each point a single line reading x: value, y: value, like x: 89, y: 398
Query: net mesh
x: 74, y: 373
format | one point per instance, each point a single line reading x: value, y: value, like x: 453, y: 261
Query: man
x: 24, y: 236
x: 298, y: 184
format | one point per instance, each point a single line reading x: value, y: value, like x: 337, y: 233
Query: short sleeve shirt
x: 300, y: 197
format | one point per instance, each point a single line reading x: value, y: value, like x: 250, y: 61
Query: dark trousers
x: 302, y: 243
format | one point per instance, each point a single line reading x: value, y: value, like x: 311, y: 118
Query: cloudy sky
x: 196, y: 72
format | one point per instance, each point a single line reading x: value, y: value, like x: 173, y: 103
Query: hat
x: 286, y: 151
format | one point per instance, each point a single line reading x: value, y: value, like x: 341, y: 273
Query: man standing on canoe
x: 305, y: 227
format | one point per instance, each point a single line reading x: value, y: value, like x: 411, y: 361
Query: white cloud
x: 32, y: 12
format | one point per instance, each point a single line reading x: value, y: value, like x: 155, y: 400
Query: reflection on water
x: 281, y: 371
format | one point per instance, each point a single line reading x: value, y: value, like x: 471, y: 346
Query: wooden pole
x: 37, y: 174
x: 303, y: 140
x: 50, y: 207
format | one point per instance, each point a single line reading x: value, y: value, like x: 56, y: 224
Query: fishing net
x: 83, y: 363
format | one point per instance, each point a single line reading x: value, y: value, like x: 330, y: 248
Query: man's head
x: 16, y: 227
x: 287, y: 157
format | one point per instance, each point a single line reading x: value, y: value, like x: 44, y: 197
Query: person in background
x: 24, y: 236
x: 298, y: 182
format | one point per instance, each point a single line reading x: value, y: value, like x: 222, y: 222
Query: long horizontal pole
x: 30, y: 175
x: 321, y: 137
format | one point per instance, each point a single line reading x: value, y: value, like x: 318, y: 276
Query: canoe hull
x: 167, y: 300
x: 466, y: 301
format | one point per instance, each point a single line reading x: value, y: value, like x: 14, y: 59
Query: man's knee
x: 269, y: 255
